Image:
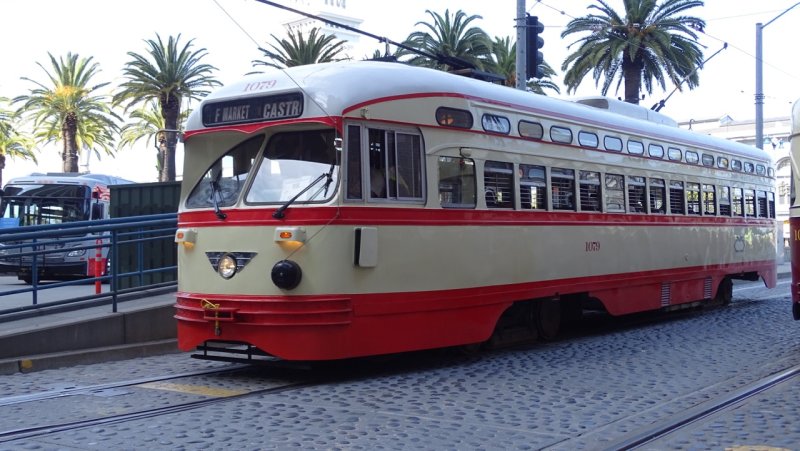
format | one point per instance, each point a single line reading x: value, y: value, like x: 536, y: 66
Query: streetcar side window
x: 722, y: 162
x: 749, y: 203
x: 761, y: 201
x: 395, y: 165
x: 588, y: 139
x: 612, y: 143
x: 761, y: 169
x: 637, y: 200
x: 635, y: 147
x: 771, y: 197
x: 353, y: 175
x: 498, y: 184
x: 736, y: 165
x: 562, y: 187
x: 560, y: 134
x: 693, y: 198
x: 724, y: 201
x: 529, y: 129
x: 692, y: 157
x: 674, y: 154
x: 655, y: 151
x: 453, y: 117
x: 658, y: 200
x: 749, y: 167
x: 738, y: 202
x: 496, y: 124
x: 676, y: 200
x: 457, y: 182
x: 615, y: 193
x: 708, y: 160
x: 532, y: 187
x: 709, y: 200
x: 590, y: 191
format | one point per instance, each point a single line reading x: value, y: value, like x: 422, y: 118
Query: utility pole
x: 759, y: 81
x: 521, y: 46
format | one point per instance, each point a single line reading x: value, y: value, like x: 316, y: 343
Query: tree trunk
x: 70, y: 155
x: 632, y: 71
x: 170, y: 110
x: 2, y: 166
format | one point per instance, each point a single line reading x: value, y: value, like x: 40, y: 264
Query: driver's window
x: 225, y: 178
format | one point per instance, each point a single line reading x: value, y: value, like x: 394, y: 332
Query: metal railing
x: 125, y: 241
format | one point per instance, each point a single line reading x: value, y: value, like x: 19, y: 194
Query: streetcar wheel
x: 548, y: 318
x: 724, y: 292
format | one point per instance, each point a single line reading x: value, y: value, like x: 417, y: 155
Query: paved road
x: 601, y: 381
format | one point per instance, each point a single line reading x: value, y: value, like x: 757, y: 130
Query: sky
x: 232, y: 30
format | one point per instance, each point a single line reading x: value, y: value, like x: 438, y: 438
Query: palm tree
x: 167, y: 74
x: 297, y: 51
x: 12, y: 144
x: 450, y: 38
x: 505, y: 63
x: 149, y: 125
x: 650, y: 42
x: 68, y: 110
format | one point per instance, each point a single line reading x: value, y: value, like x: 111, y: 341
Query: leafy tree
x: 451, y: 37
x: 297, y: 51
x: 168, y: 74
x: 12, y: 144
x: 650, y: 42
x: 149, y: 125
x: 505, y: 63
x: 68, y: 109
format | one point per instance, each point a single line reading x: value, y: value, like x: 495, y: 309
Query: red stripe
x: 449, y: 217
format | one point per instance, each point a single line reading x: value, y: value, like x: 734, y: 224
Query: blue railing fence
x: 127, y: 240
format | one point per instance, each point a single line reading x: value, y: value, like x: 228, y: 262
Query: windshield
x: 44, y: 204
x: 224, y: 180
x: 291, y: 162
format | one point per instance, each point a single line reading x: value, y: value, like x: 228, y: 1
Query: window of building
x: 496, y: 124
x: 590, y: 191
x: 761, y: 202
x: 692, y: 157
x: 498, y: 184
x: 529, y: 129
x: 709, y: 200
x: 749, y: 203
x: 676, y: 200
x: 738, y: 202
x: 612, y: 143
x: 532, y: 187
x: 562, y: 186
x: 674, y: 154
x: 560, y: 134
x: 635, y: 147
x: 724, y: 201
x: 736, y: 165
x: 588, y: 139
x: 452, y: 117
x: 658, y: 199
x: 395, y: 165
x: 456, y: 182
x: 708, y: 160
x: 637, y: 198
x: 655, y: 151
x: 615, y: 193
x: 693, y: 198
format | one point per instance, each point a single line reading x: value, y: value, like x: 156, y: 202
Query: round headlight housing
x: 227, y: 266
x: 286, y: 274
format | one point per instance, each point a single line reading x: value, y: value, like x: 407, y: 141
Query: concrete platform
x: 142, y: 326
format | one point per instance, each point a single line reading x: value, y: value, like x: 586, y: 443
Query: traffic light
x: 533, y: 57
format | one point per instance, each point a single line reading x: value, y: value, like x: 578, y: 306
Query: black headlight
x: 286, y: 274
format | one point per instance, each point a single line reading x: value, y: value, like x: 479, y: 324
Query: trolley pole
x: 521, y: 46
x: 759, y: 81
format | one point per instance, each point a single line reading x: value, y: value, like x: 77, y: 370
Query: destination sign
x: 253, y: 109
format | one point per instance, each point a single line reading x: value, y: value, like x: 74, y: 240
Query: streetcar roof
x: 333, y: 88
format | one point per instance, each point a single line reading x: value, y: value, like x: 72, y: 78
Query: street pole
x: 759, y: 81
x: 521, y: 46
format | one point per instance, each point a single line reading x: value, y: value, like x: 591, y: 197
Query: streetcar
x: 351, y: 209
x: 794, y: 212
x: 54, y: 198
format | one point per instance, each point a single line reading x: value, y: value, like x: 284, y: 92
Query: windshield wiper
x: 278, y: 214
x: 217, y: 191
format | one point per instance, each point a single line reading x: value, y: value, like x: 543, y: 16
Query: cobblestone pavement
x: 577, y: 393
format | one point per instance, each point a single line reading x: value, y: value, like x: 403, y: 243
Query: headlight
x: 286, y: 274
x: 227, y: 266
x: 77, y: 253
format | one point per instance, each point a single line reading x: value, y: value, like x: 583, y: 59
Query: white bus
x: 53, y: 198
